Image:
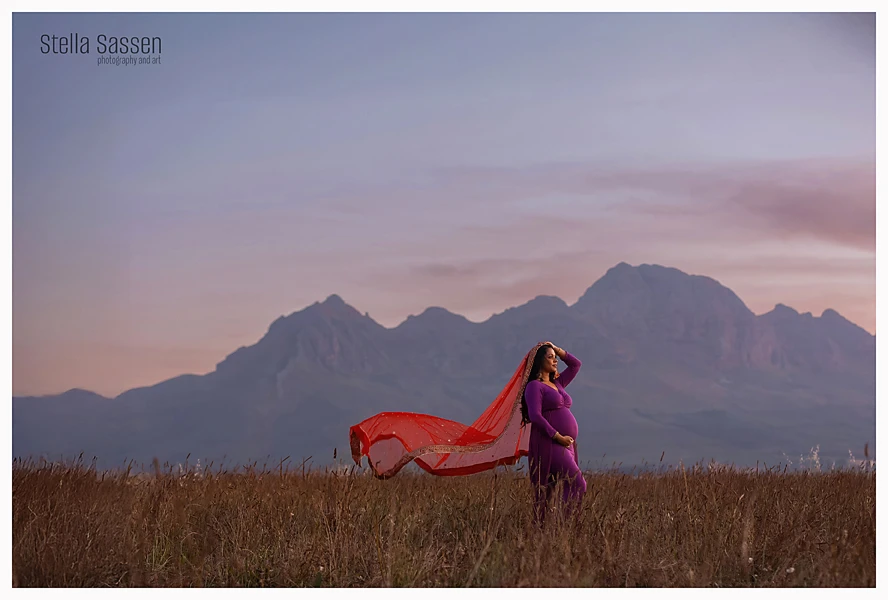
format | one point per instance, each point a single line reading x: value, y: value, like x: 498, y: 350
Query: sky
x: 165, y: 214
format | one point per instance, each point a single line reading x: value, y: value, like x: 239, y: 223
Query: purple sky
x: 164, y: 215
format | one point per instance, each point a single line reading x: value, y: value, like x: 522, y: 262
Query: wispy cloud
x: 435, y: 176
x: 818, y: 200
x: 789, y: 226
x: 832, y: 200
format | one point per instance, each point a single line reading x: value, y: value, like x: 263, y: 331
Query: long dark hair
x: 534, y: 375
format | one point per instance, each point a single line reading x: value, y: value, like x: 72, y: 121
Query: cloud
x: 475, y: 241
x: 825, y: 200
x: 816, y: 200
x: 478, y: 288
x: 773, y: 232
x: 838, y: 207
x: 832, y: 202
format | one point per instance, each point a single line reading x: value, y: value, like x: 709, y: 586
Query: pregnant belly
x: 563, y: 421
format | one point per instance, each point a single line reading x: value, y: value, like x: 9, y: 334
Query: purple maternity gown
x: 549, y: 461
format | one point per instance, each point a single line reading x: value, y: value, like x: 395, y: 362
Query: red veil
x: 390, y: 440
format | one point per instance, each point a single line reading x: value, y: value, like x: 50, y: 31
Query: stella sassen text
x: 74, y: 43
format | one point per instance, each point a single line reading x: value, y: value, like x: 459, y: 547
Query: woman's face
x: 550, y: 361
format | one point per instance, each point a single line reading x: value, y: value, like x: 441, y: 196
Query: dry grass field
x: 698, y: 526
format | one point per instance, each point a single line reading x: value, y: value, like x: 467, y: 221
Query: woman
x: 391, y: 440
x: 546, y: 406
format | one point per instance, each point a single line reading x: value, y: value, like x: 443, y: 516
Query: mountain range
x: 672, y: 363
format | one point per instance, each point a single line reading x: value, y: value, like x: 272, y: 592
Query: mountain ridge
x: 657, y: 346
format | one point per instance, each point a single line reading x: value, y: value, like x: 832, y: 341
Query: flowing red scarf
x: 390, y: 440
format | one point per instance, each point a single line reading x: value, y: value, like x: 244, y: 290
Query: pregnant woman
x: 529, y: 417
x: 553, y: 452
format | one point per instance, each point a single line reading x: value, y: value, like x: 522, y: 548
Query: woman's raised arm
x: 573, y: 367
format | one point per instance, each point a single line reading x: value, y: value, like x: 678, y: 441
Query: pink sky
x: 471, y: 162
x: 798, y: 233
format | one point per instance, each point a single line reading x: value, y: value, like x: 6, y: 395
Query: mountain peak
x: 835, y: 321
x: 540, y: 305
x: 780, y: 308
x: 334, y: 300
x: 620, y: 269
x: 621, y: 276
x: 333, y: 306
x: 624, y: 277
x: 666, y: 305
x: 439, y: 312
x: 646, y: 278
x: 79, y: 394
x: 433, y: 316
x: 621, y: 266
x: 547, y: 303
